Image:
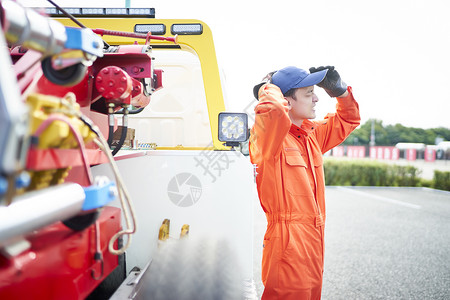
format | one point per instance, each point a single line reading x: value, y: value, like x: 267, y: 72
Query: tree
x: 390, y: 135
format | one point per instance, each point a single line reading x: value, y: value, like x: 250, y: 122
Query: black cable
x: 111, y: 124
x: 105, y: 44
x: 110, y: 135
x: 121, y: 141
x: 67, y: 14
x: 88, y: 122
x: 123, y: 134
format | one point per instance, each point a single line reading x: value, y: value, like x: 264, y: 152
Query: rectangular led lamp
x: 156, y: 29
x: 93, y: 11
x: 187, y: 29
x: 99, y: 12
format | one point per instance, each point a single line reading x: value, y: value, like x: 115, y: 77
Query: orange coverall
x: 291, y: 190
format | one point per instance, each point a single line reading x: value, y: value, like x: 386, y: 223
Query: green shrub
x: 374, y: 173
x: 426, y: 183
x: 404, y: 175
x: 441, y: 180
x: 369, y: 173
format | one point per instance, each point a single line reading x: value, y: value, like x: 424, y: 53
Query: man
x: 287, y: 148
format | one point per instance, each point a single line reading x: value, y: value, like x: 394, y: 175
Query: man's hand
x: 256, y: 89
x: 332, y: 82
x: 266, y: 79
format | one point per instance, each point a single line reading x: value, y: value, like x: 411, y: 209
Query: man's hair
x: 291, y: 93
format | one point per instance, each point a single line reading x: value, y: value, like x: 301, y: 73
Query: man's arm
x: 272, y: 122
x: 337, y: 127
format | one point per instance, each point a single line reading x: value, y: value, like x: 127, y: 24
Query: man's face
x: 303, y: 104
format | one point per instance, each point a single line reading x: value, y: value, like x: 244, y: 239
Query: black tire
x: 69, y: 76
x: 82, y: 222
x: 188, y: 270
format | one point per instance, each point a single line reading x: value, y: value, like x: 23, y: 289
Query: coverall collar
x: 306, y: 128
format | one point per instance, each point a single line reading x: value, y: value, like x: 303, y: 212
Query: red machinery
x: 61, y: 264
x: 71, y: 81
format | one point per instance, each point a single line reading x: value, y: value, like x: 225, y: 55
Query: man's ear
x: 289, y: 102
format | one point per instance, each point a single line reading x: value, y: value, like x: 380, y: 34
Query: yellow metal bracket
x: 201, y: 45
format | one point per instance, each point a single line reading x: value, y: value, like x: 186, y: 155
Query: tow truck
x: 122, y: 175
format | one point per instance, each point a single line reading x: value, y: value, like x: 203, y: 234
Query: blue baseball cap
x: 293, y: 78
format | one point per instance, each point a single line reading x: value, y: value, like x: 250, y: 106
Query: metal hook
x: 98, y: 257
x: 98, y: 252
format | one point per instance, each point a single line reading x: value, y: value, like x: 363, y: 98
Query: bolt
x: 111, y: 83
x: 123, y: 79
x: 116, y: 70
x: 59, y: 62
x: 99, y: 79
x: 120, y: 90
x: 101, y: 90
x: 101, y: 180
x: 23, y: 180
x: 105, y: 71
x: 110, y: 95
x: 113, y: 191
x: 136, y: 69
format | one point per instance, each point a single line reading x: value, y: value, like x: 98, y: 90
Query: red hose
x: 134, y: 35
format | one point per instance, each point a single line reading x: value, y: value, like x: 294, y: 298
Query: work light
x: 154, y: 29
x: 95, y: 12
x: 187, y: 29
x: 73, y: 10
x: 233, y: 128
x: 116, y: 11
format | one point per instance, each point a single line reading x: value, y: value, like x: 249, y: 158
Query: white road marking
x: 380, y: 198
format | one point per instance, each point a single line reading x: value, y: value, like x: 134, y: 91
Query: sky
x: 394, y: 53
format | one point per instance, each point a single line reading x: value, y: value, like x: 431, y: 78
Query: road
x: 381, y: 243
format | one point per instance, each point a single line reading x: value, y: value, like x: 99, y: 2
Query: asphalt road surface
x: 381, y: 243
